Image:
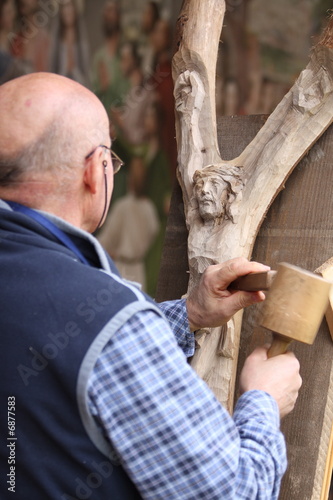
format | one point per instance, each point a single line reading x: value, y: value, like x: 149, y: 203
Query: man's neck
x: 46, y: 203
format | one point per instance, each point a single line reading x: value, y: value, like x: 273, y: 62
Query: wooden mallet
x: 294, y: 307
x: 295, y: 304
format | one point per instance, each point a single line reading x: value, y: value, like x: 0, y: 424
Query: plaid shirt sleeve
x: 172, y: 436
x: 176, y: 313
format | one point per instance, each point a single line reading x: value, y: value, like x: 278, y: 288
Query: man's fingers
x: 260, y: 352
x: 211, y: 304
x: 240, y: 299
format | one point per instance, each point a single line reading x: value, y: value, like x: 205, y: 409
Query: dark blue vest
x: 52, y: 308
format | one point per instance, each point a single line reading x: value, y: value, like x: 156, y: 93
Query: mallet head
x: 296, y: 303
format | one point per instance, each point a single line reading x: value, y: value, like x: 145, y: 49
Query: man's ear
x: 93, y: 172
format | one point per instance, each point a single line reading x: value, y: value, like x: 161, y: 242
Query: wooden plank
x: 326, y: 270
x: 328, y: 470
x: 298, y: 229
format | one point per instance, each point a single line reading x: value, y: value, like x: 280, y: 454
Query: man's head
x: 49, y: 125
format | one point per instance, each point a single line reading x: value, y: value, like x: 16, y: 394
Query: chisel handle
x: 253, y: 282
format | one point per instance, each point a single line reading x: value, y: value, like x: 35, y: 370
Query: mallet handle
x: 279, y: 345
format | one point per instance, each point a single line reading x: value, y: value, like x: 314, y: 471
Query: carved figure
x: 216, y: 189
x: 287, y: 135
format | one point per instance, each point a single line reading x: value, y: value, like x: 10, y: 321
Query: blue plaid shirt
x: 173, y: 437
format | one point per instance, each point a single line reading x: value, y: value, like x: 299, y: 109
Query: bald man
x: 98, y: 399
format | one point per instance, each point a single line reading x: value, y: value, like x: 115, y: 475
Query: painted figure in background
x: 129, y: 118
x: 31, y: 43
x: 157, y: 187
x: 69, y: 54
x: 107, y: 80
x: 9, y: 66
x: 150, y: 16
x: 162, y: 83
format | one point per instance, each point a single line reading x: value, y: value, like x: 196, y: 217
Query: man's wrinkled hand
x: 211, y: 304
x: 278, y: 376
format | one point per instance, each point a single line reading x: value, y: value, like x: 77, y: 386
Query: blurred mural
x: 122, y: 51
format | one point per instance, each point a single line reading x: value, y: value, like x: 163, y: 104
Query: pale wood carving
x: 324, y: 466
x: 248, y: 184
x: 324, y: 469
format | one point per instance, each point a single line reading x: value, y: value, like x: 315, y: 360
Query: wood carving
x: 225, y: 225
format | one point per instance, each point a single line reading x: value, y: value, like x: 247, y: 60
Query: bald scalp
x: 48, y: 122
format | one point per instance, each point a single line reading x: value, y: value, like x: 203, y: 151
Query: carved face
x: 212, y: 196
